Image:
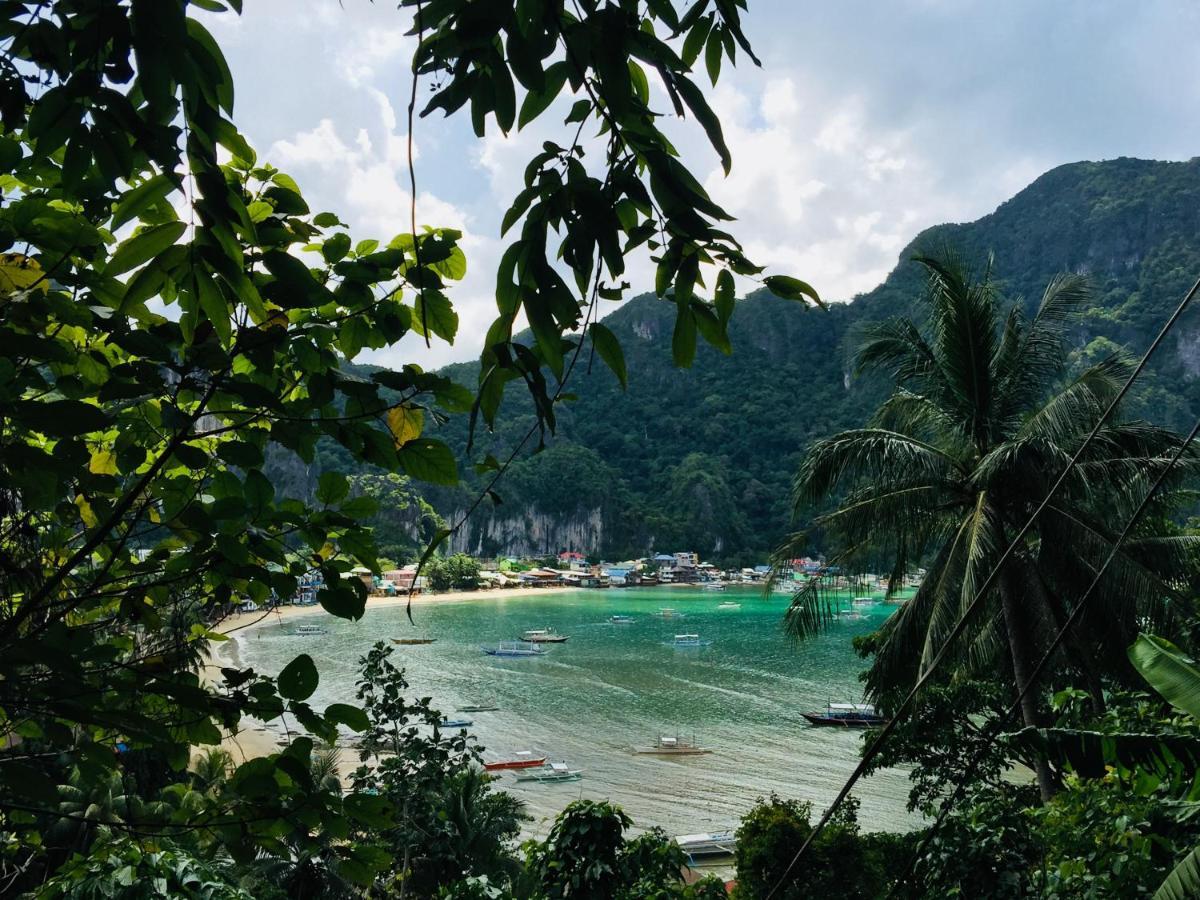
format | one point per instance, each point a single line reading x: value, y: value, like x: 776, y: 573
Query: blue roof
x: 666, y: 557
x: 762, y: 568
x: 618, y: 573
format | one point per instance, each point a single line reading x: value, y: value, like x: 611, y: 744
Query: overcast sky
x: 867, y: 123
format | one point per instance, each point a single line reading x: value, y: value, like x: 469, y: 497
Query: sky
x: 868, y: 122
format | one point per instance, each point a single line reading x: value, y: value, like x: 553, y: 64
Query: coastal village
x: 572, y: 568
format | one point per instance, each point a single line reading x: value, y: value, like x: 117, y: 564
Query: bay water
x: 611, y: 688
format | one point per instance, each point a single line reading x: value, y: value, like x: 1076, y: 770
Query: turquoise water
x: 591, y: 700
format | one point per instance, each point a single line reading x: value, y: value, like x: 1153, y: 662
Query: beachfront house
x: 617, y: 576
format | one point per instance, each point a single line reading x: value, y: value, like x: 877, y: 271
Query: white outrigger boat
x: 621, y: 620
x: 308, y: 630
x: 544, y: 636
x: 667, y: 612
x: 668, y: 745
x: 729, y: 604
x: 714, y: 586
x: 550, y: 773
x: 688, y: 641
x: 715, y: 843
x: 514, y: 648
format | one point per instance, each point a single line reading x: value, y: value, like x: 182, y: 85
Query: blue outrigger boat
x: 455, y: 723
x: 514, y: 648
x: 847, y: 715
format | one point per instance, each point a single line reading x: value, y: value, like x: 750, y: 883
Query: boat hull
x: 667, y: 751
x: 844, y: 721
x: 502, y: 765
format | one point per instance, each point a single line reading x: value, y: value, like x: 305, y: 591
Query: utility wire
x: 877, y: 744
x: 994, y: 729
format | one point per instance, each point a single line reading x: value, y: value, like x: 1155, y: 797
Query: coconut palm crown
x: 983, y: 419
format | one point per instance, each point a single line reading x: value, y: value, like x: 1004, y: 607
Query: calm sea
x: 610, y: 688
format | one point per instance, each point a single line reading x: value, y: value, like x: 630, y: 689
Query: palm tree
x: 980, y: 424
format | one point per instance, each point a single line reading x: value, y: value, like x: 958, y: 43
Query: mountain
x: 701, y: 459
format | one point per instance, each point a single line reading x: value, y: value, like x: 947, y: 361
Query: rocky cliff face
x: 529, y: 533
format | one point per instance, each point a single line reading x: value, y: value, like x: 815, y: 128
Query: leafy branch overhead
x: 173, y: 314
x: 603, y: 57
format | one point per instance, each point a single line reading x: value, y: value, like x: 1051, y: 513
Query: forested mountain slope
x: 702, y: 458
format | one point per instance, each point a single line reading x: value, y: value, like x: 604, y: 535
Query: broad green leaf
x: 1184, y: 881
x: 144, y: 246
x: 299, y: 678
x: 350, y: 716
x: 1168, y: 671
x: 610, y: 351
x: 137, y: 200
x: 332, y: 488
x: 788, y: 288
x: 429, y: 460
x: 683, y: 339
x: 433, y: 314
x: 536, y: 102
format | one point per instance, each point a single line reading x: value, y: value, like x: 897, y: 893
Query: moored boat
x: 476, y: 708
x: 621, y: 620
x: 455, y: 723
x: 668, y: 745
x: 715, y: 843
x: 864, y: 601
x: 522, y: 759
x: 514, y: 648
x: 688, y: 641
x: 847, y: 715
x: 714, y: 586
x: 667, y: 612
x: 729, y: 604
x: 543, y: 636
x: 409, y: 641
x: 308, y: 630
x: 550, y: 773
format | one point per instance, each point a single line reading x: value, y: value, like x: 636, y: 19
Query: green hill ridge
x: 702, y: 458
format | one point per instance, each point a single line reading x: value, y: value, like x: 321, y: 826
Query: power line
x: 994, y: 729
x: 877, y: 744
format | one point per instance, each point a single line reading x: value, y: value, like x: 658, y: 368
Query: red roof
x: 570, y: 554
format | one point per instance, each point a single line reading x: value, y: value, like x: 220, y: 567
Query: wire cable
x: 877, y: 744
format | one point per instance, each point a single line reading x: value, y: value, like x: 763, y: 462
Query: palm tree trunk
x: 1021, y: 649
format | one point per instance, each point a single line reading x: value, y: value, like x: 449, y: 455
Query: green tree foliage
x: 841, y: 862
x: 403, y: 522
x: 439, y: 821
x: 952, y: 466
x: 456, y: 572
x: 587, y: 856
x: 173, y: 314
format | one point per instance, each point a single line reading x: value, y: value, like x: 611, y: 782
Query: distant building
x: 617, y: 576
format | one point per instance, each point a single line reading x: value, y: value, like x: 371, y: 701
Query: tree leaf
x: 405, y: 423
x: 428, y: 460
x: 610, y: 351
x: 144, y: 246
x: 299, y: 678
x: 1168, y: 671
x: 332, y: 488
x: 788, y: 288
x: 137, y: 200
x: 350, y: 716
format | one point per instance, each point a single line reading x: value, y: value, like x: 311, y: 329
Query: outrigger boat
x: 551, y: 773
x: 522, y: 759
x: 455, y: 723
x: 674, y: 746
x: 308, y: 630
x: 667, y: 613
x: 688, y: 641
x: 514, y: 648
x: 408, y: 641
x: 714, y: 586
x: 621, y: 620
x: 864, y: 601
x: 716, y: 843
x: 729, y: 604
x: 847, y: 715
x: 477, y: 708
x: 544, y: 636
